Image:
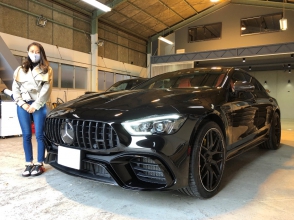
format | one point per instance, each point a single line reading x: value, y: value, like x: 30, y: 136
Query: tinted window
x: 189, y: 79
x: 118, y: 86
x: 240, y: 76
x: 259, y: 90
x: 125, y: 85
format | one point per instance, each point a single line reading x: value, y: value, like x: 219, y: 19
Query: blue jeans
x: 25, y: 121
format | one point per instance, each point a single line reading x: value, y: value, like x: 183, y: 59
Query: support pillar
x: 94, y: 52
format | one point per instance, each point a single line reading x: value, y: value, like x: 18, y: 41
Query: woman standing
x: 31, y: 88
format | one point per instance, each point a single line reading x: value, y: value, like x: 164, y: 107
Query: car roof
x: 133, y: 79
x: 200, y: 69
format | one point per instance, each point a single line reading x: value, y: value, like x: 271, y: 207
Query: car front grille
x: 148, y: 170
x: 88, y: 134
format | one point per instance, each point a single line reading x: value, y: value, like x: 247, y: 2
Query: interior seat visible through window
x: 184, y: 83
x: 220, y: 80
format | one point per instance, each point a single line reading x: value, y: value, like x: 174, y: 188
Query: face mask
x: 34, y: 57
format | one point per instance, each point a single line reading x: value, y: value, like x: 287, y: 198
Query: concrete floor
x: 256, y: 185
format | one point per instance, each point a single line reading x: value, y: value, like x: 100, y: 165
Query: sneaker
x: 28, y: 170
x: 38, y: 170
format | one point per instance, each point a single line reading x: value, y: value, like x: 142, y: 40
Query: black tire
x: 274, y: 139
x: 207, y: 162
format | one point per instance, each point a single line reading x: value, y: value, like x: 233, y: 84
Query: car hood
x: 133, y: 104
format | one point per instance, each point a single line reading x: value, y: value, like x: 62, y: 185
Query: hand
x: 25, y: 106
x: 31, y: 109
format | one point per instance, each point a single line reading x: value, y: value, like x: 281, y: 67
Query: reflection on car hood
x: 133, y: 104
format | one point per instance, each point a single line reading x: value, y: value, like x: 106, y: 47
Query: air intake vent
x: 147, y: 170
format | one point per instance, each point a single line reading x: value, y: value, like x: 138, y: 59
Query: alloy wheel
x: 211, y: 159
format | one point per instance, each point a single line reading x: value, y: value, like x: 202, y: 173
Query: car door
x: 265, y: 105
x: 243, y: 112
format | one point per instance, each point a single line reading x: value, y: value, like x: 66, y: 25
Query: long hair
x: 43, y: 63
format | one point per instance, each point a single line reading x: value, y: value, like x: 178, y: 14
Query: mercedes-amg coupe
x: 173, y: 132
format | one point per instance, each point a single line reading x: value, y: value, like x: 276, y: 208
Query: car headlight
x: 165, y: 124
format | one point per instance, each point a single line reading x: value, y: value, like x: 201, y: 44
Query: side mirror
x: 243, y: 86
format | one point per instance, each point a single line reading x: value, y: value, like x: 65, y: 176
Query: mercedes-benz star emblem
x: 67, y: 132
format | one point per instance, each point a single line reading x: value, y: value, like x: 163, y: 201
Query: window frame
x: 242, y: 20
x: 205, y: 26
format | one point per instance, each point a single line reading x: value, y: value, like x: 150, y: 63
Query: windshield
x: 125, y: 85
x: 193, y: 78
x: 118, y: 86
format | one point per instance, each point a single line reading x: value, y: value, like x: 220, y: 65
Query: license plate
x: 69, y: 157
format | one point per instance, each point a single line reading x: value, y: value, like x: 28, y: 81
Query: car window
x: 162, y: 84
x: 118, y: 87
x: 240, y: 76
x: 259, y: 90
x: 136, y: 82
x: 185, y: 80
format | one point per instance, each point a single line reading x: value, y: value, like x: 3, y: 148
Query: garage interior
x: 89, y: 50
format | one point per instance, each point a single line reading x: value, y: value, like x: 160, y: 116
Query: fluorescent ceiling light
x: 165, y: 40
x: 283, y: 24
x: 214, y: 0
x: 98, y: 5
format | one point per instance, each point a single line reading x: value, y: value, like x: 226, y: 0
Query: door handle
x: 271, y: 99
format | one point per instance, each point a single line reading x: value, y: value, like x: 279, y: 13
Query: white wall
x: 167, y: 49
x: 18, y: 46
x: 277, y: 83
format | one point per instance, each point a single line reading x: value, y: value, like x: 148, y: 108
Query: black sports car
x: 175, y: 131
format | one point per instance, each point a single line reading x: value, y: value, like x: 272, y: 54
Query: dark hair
x: 43, y: 63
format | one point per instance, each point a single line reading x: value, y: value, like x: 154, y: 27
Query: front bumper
x: 141, y: 163
x: 132, y: 170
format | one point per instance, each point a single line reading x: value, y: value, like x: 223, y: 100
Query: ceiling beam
x: 135, y: 21
x: 113, y: 4
x: 191, y: 6
x: 159, y: 21
x: 170, y: 9
x: 227, y: 54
